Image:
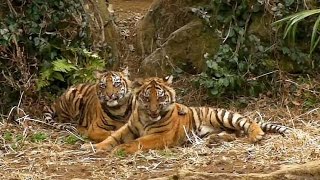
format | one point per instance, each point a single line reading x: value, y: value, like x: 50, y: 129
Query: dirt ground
x: 30, y: 150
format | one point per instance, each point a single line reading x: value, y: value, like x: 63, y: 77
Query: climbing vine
x: 246, y: 60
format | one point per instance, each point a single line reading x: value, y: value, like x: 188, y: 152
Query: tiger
x: 95, y: 109
x: 158, y: 121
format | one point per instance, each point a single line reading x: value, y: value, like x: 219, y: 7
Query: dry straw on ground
x: 54, y: 158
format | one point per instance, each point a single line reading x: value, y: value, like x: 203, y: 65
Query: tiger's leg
x: 145, y: 143
x: 220, y: 138
x: 82, y: 130
x: 97, y: 134
x: 235, y: 121
x: 122, y: 135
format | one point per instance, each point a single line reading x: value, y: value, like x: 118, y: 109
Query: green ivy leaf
x: 214, y: 92
x: 212, y: 64
x: 225, y: 82
x: 289, y: 2
x: 57, y: 75
x: 62, y: 65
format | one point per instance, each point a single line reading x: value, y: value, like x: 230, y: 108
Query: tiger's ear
x: 168, y: 79
x: 137, y: 83
x: 97, y: 74
x: 126, y: 72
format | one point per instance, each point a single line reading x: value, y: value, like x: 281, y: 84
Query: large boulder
x: 163, y: 18
x: 172, y: 37
x: 183, y: 49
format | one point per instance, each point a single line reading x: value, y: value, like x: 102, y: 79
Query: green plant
x: 246, y: 58
x: 292, y: 24
x: 239, y: 57
x: 19, y: 137
x: 8, y: 136
x: 46, y: 46
x: 74, y: 72
x: 14, y: 140
x: 121, y: 153
x: 71, y: 139
x: 38, y: 137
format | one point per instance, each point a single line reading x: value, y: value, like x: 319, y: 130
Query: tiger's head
x: 155, y: 97
x: 113, y: 86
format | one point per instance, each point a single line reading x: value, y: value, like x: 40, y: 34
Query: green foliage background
x: 249, y: 54
x: 47, y: 45
x: 44, y: 47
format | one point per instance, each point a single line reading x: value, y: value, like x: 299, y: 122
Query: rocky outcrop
x: 171, y: 36
x: 163, y: 18
x: 184, y: 49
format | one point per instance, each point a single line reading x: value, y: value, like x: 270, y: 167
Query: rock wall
x: 171, y: 35
x: 184, y: 49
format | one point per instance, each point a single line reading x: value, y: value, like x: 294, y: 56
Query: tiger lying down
x: 96, y: 109
x: 158, y: 121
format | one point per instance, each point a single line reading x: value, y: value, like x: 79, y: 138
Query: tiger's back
x: 76, y: 99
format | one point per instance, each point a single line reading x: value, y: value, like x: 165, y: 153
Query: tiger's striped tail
x: 49, y: 118
x: 234, y: 120
x: 274, y: 128
x: 227, y: 120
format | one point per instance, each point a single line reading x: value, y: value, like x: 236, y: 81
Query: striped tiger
x: 158, y: 121
x: 96, y: 109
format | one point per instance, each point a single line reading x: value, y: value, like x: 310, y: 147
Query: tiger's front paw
x: 125, y: 149
x: 96, y: 147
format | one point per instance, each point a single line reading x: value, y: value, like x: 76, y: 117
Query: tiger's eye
x: 102, y: 85
x: 117, y: 84
x: 161, y: 98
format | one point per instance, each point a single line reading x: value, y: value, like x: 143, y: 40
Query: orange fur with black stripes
x: 95, y: 109
x: 158, y: 121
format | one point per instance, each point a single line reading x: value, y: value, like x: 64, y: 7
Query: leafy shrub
x: 245, y: 61
x: 74, y: 72
x: 46, y: 45
x: 292, y: 23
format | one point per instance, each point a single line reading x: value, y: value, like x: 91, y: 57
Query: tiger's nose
x: 112, y: 96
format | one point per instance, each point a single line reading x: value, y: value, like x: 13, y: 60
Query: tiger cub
x: 158, y: 121
x: 96, y: 109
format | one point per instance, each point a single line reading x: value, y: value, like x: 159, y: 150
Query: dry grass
x: 25, y: 155
x: 29, y: 149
